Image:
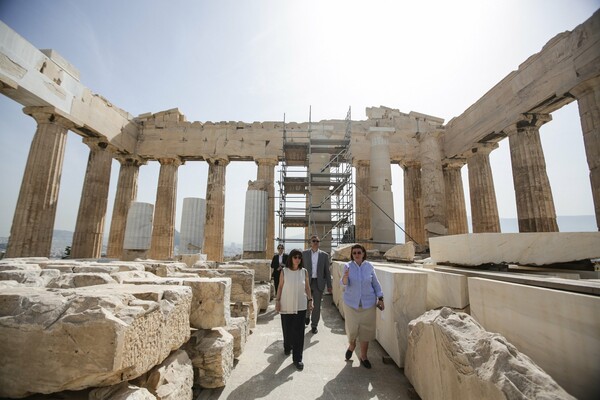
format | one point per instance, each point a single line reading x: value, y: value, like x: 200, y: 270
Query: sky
x: 257, y: 60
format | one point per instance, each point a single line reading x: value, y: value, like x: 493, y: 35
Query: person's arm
x: 346, y: 276
x: 377, y: 289
x: 327, y: 273
x: 308, y: 291
x: 278, y: 298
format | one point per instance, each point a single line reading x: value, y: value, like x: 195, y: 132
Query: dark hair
x: 294, y: 252
x: 358, y: 246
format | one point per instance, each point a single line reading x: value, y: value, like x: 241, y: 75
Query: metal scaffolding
x: 330, y: 213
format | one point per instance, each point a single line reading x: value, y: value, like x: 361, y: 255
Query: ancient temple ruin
x: 430, y: 152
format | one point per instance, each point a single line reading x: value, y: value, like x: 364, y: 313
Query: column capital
x: 95, y: 143
x: 482, y: 149
x: 421, y: 136
x: 268, y: 161
x: 361, y: 163
x: 125, y: 159
x: 409, y: 164
x: 587, y: 86
x: 218, y: 160
x: 176, y: 161
x: 51, y: 115
x: 453, y: 163
x: 528, y: 121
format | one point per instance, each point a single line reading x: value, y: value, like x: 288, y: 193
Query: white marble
x: 559, y: 330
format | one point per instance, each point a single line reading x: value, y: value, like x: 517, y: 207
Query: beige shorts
x: 360, y: 324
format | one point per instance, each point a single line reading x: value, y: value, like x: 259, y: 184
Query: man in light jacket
x: 316, y: 263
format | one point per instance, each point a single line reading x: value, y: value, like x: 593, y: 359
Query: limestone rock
x: 67, y: 281
x: 262, y: 268
x: 238, y: 328
x: 262, y: 293
x: 242, y: 280
x: 71, y: 339
x: 122, y: 391
x: 12, y: 265
x: 401, y: 252
x: 31, y: 278
x: 171, y: 380
x: 342, y: 253
x: 211, y: 352
x: 123, y: 276
x: 450, y: 356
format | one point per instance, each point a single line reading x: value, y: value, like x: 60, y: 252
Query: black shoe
x: 299, y: 365
x: 314, y: 329
x: 348, y: 355
x: 287, y: 352
x: 365, y: 363
x: 306, y: 321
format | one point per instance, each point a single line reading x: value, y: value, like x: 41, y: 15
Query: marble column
x: 138, y: 231
x: 255, y: 220
x: 89, y: 228
x: 414, y: 225
x: 214, y: 227
x: 433, y: 190
x: 484, y: 209
x: 362, y: 232
x: 126, y: 193
x: 588, y: 100
x: 193, y: 216
x: 33, y: 221
x: 456, y: 210
x: 380, y: 189
x: 535, y: 204
x: 163, y: 229
x: 266, y: 172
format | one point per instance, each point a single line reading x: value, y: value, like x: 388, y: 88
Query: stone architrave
x: 87, y: 337
x: 362, y: 231
x: 433, y: 190
x: 266, y: 172
x: 255, y: 219
x: 456, y: 210
x: 588, y: 100
x: 127, y: 187
x: 450, y: 356
x: 380, y: 185
x: 33, y: 221
x: 484, y: 209
x: 89, y: 228
x: 163, y: 230
x: 413, y: 210
x: 215, y: 208
x: 535, y: 204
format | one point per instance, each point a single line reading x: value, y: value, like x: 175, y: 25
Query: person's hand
x: 277, y: 306
x: 380, y: 305
x: 310, y: 306
x: 329, y: 290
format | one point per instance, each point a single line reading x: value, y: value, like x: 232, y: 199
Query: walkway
x: 264, y: 372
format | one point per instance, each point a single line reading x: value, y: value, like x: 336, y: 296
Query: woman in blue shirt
x: 362, y: 293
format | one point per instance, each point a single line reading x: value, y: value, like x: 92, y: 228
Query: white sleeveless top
x: 293, y: 295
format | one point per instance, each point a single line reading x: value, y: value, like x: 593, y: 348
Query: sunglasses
x: 280, y: 248
x: 315, y: 241
x: 297, y: 256
x: 357, y: 252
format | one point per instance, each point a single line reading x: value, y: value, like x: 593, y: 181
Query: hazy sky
x: 256, y: 60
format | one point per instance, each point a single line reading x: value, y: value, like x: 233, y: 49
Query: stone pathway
x: 264, y: 372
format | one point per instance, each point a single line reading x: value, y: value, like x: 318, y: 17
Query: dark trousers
x: 317, y: 296
x: 292, y: 326
x: 276, y: 279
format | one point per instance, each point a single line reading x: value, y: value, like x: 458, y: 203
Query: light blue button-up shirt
x: 363, y: 287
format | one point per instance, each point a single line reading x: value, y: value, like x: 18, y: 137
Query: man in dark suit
x: 277, y: 264
x: 316, y: 263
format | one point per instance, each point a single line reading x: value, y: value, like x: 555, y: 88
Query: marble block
x: 262, y: 268
x: 559, y: 330
x: 405, y: 295
x: 211, y: 352
x: 517, y: 248
x: 242, y: 280
x: 170, y: 380
x: 337, y: 269
x: 262, y: 293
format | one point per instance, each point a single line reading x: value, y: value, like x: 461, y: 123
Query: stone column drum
x: 89, y: 228
x: 535, y: 204
x: 413, y: 210
x: 266, y: 172
x: 380, y: 182
x: 215, y: 208
x: 456, y: 210
x: 193, y: 216
x: 33, y: 222
x: 588, y: 100
x: 484, y: 209
x: 138, y: 231
x: 433, y: 189
x: 255, y: 219
x: 163, y: 232
x: 127, y: 187
x: 362, y: 232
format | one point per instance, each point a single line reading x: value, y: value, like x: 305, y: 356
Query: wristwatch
x: 380, y: 298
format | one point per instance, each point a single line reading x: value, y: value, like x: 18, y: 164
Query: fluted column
x: 484, y: 209
x: 255, y: 220
x: 588, y: 99
x: 433, y: 190
x: 89, y: 228
x: 266, y: 172
x: 362, y: 231
x: 214, y: 228
x: 414, y: 225
x: 163, y: 228
x: 33, y: 221
x: 535, y: 205
x: 456, y: 210
x: 126, y: 193
x: 380, y: 184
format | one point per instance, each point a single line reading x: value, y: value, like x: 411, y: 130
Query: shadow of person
x: 267, y: 316
x: 263, y: 383
x: 331, y: 316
